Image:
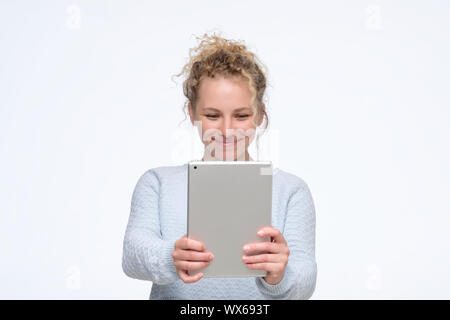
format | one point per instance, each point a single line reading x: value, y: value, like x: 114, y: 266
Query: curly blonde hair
x: 216, y: 55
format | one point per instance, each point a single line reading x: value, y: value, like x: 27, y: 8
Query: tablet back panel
x: 228, y: 202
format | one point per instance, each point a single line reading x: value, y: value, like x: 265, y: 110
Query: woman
x: 224, y: 87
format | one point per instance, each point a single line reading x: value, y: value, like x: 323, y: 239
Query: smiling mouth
x: 226, y: 141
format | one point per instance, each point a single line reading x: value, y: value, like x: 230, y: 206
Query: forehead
x: 219, y: 109
x: 224, y: 93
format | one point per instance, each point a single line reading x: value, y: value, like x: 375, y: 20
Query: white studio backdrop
x: 359, y: 107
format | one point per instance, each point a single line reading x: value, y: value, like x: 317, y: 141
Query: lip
x: 228, y: 142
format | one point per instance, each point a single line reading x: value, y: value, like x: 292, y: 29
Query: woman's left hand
x: 276, y: 258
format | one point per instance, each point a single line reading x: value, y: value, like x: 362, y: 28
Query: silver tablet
x: 228, y: 202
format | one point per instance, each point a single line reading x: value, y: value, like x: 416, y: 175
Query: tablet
x: 228, y: 202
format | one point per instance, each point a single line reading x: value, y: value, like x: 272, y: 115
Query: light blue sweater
x: 158, y: 218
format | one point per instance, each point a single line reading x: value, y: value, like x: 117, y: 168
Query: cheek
x: 209, y: 131
x: 245, y: 129
x: 248, y: 129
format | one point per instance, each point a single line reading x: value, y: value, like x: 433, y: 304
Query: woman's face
x: 225, y: 116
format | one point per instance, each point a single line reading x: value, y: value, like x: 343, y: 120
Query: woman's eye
x: 214, y: 116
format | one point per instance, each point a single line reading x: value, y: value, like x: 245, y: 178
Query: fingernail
x: 246, y: 248
x: 260, y: 233
x: 211, y: 257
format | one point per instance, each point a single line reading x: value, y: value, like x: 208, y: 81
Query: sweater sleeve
x: 299, y: 280
x: 146, y: 256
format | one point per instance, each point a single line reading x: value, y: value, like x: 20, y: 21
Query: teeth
x: 224, y: 141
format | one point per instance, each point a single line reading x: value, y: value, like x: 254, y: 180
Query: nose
x: 226, y: 126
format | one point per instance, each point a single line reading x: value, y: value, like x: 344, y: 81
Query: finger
x: 259, y: 258
x: 272, y: 232
x: 268, y: 266
x: 187, y: 278
x: 190, y: 265
x: 268, y: 247
x: 186, y: 243
x: 191, y: 255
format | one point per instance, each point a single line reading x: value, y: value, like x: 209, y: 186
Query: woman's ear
x: 261, y: 117
x: 191, y: 113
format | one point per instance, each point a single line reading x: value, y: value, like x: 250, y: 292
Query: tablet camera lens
x: 195, y: 167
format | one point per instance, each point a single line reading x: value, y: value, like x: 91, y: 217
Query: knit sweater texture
x: 158, y: 218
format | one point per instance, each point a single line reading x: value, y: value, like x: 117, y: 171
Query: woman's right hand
x: 190, y: 254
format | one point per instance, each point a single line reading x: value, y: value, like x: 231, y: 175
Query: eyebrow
x: 236, y: 110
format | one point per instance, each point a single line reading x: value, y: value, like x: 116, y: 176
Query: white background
x: 358, y: 101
